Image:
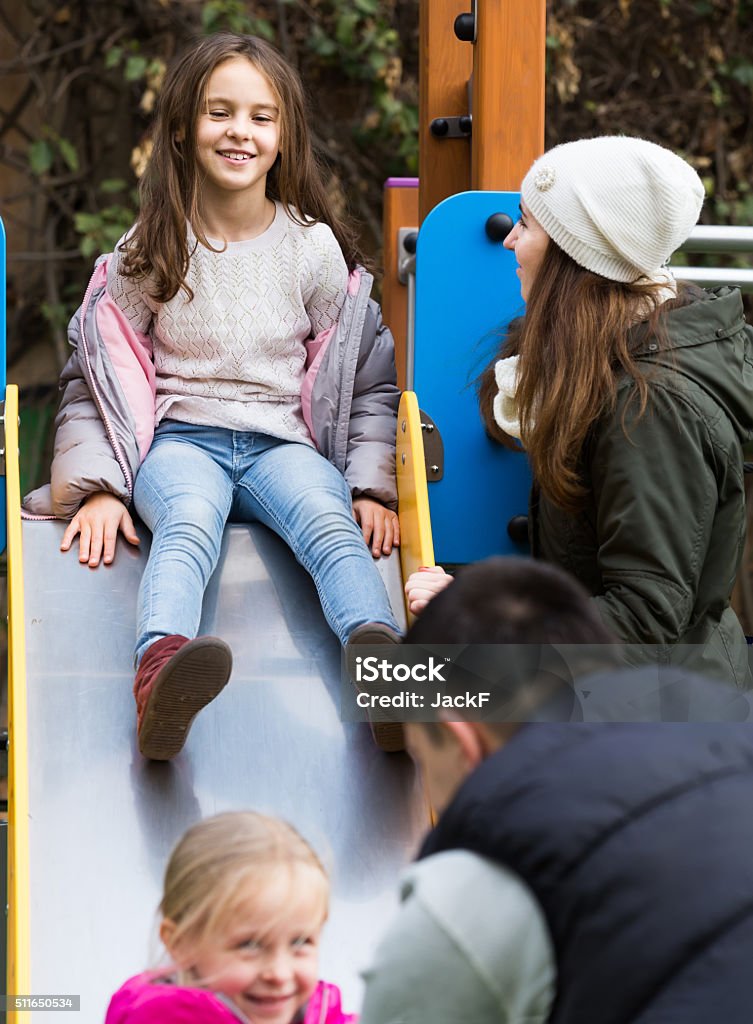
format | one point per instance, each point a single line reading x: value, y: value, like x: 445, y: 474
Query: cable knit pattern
x: 235, y: 356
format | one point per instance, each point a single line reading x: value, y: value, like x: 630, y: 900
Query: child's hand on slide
x: 424, y: 585
x: 379, y: 525
x: 97, y: 523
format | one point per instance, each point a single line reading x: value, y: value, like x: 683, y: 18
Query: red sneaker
x: 388, y: 736
x: 176, y: 678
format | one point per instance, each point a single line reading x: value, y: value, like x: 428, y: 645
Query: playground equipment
x: 482, y: 125
x: 449, y: 288
x: 91, y: 823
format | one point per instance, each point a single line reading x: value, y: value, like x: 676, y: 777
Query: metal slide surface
x: 102, y: 820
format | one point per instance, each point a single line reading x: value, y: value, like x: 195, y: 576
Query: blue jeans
x: 195, y: 478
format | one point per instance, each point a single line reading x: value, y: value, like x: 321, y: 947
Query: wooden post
x: 400, y: 211
x: 445, y: 65
x: 508, y: 91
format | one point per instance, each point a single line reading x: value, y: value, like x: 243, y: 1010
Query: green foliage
x: 56, y: 314
x: 735, y: 211
x: 100, y: 231
x: 45, y: 152
x: 357, y: 38
x: 136, y: 65
x: 740, y: 70
x: 41, y: 155
x: 233, y: 16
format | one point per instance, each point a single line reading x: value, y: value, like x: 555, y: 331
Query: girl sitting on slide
x: 232, y: 318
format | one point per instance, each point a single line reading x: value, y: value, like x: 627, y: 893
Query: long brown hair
x: 574, y: 342
x: 157, y: 249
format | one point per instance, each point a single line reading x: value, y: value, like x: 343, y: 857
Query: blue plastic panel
x: 467, y: 291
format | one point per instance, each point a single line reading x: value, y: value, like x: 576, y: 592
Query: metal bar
x: 718, y: 238
x: 410, y: 332
x: 714, y: 276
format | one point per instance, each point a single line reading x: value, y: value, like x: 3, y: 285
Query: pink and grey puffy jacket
x: 146, y: 1000
x: 105, y: 423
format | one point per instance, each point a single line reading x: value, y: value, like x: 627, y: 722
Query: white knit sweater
x: 234, y: 356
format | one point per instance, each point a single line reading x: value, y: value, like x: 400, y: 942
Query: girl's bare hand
x: 379, y: 525
x: 97, y: 523
x: 424, y: 585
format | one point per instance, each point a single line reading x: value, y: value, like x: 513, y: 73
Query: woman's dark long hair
x: 157, y: 249
x: 574, y: 342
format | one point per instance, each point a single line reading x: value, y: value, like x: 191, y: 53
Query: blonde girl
x: 245, y: 898
x: 234, y: 318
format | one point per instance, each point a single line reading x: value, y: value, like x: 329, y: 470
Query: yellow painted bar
x: 19, y: 940
x: 416, y: 546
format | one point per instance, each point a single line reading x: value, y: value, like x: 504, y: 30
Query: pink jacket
x: 143, y: 1000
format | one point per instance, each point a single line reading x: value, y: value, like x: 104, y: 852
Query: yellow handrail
x: 416, y: 546
x: 18, y: 977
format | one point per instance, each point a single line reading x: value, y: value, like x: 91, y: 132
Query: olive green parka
x: 659, y: 541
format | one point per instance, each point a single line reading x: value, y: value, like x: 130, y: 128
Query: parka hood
x: 711, y: 345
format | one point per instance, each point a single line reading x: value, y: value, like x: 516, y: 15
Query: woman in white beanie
x: 632, y: 396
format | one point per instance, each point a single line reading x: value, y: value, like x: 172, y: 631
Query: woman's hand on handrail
x: 424, y: 585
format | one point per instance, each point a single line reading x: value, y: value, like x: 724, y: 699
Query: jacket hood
x: 711, y: 345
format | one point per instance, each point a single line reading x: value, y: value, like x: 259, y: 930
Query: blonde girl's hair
x: 157, y: 248
x: 578, y: 338
x: 218, y: 856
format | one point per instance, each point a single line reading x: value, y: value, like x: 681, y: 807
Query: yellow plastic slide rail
x: 416, y: 546
x: 18, y: 978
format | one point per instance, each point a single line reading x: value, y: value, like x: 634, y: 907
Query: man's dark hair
x: 511, y: 601
x: 530, y: 630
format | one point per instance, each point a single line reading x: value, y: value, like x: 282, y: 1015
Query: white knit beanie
x: 618, y: 206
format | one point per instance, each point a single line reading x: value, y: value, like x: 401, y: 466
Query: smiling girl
x: 233, y: 319
x: 245, y: 899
